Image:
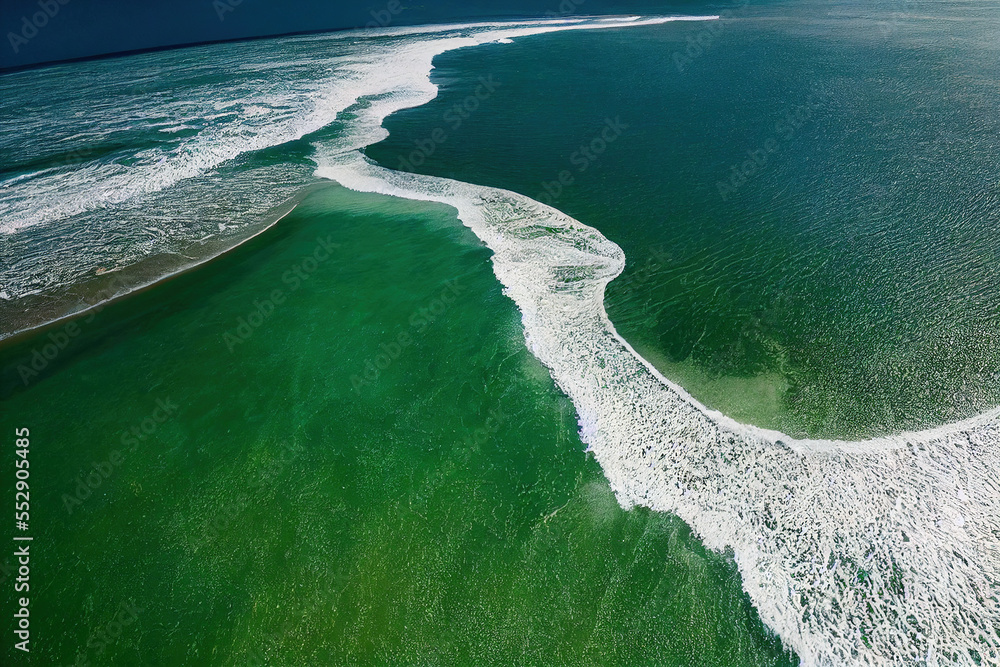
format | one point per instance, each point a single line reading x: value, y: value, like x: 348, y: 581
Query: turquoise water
x: 842, y: 282
x: 442, y: 512
x: 371, y: 435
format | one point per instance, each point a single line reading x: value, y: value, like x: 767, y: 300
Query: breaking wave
x: 884, y: 551
x: 161, y: 161
x: 879, y: 552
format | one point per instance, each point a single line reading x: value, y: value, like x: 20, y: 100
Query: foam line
x: 257, y: 120
x: 878, y: 552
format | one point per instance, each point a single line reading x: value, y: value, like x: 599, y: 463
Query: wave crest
x: 876, y: 552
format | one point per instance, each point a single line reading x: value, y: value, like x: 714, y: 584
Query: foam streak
x: 879, y: 552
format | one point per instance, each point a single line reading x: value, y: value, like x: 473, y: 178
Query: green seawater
x: 806, y: 193
x: 331, y: 446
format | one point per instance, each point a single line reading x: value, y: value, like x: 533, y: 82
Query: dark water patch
x: 806, y: 204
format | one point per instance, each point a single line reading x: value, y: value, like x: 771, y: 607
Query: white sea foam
x: 879, y: 552
x: 272, y: 112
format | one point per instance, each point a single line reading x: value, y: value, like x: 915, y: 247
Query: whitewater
x: 878, y: 552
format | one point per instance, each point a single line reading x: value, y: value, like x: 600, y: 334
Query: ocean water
x: 383, y: 453
x: 806, y: 195
x: 440, y: 511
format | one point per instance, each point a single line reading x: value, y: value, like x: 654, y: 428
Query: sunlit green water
x: 442, y: 511
x: 844, y: 281
x: 378, y: 472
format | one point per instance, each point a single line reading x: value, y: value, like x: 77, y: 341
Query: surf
x: 854, y: 552
x: 199, y: 193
